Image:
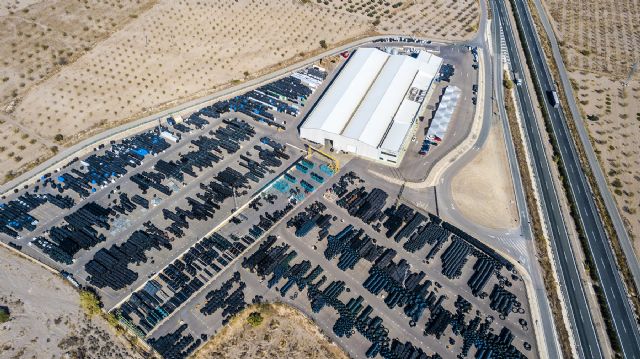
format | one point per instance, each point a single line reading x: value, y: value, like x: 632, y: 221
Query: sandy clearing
x: 178, y: 50
x: 284, y: 333
x: 483, y: 189
x: 47, y: 320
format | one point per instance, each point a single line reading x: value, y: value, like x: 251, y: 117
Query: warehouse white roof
x: 401, y: 124
x: 441, y: 120
x: 335, y: 108
x: 371, y: 120
x: 395, y: 137
x: 430, y: 63
x: 373, y: 101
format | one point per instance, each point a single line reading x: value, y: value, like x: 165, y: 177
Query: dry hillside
x: 47, y: 320
x: 73, y: 68
x: 600, y: 41
x: 283, y: 333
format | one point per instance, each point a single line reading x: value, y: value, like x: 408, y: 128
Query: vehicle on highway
x: 553, y: 98
x: 517, y: 79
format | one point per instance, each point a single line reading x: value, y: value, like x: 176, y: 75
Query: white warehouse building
x: 372, y: 104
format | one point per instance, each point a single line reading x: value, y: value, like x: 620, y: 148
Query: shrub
x: 255, y: 319
x: 58, y: 137
x: 4, y: 315
x: 616, y: 183
x: 507, y: 83
x: 323, y: 44
x: 90, y: 302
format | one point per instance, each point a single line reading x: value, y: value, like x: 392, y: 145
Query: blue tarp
x: 141, y: 151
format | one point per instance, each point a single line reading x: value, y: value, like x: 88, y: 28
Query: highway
x: 569, y: 275
x: 618, y: 223
x: 479, y: 41
x: 589, y: 220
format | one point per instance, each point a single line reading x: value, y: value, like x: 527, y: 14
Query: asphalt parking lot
x: 250, y: 226
x: 398, y: 325
x: 212, y: 248
x: 464, y: 77
x: 122, y: 229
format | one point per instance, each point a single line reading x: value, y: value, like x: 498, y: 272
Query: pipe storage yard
x: 373, y: 103
x: 180, y: 227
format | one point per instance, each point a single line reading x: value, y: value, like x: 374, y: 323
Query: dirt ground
x: 284, y: 333
x: 46, y: 318
x: 483, y: 189
x: 600, y: 41
x: 72, y: 69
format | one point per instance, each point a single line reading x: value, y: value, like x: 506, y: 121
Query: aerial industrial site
x: 404, y: 180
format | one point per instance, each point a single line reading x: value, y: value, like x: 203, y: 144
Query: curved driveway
x: 518, y: 235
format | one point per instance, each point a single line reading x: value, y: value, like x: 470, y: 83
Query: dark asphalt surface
x: 598, y: 173
x: 614, y: 290
x: 590, y: 221
x: 569, y: 275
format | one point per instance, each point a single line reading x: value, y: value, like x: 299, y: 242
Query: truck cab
x: 553, y: 98
x: 517, y: 79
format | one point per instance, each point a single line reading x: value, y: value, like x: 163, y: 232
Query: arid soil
x: 483, y: 189
x: 39, y: 40
x: 284, y: 333
x: 72, y: 69
x: 599, y: 41
x: 46, y: 318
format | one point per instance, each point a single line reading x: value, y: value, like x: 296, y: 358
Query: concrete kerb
x: 446, y: 161
x: 465, y: 146
x: 76, y: 150
x: 27, y: 257
x: 545, y: 231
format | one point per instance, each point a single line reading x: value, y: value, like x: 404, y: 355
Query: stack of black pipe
x: 503, y: 301
x: 109, y: 268
x: 455, y: 257
x: 175, y: 345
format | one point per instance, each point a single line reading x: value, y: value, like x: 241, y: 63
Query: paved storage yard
x: 180, y: 226
x: 249, y: 286
x: 132, y: 206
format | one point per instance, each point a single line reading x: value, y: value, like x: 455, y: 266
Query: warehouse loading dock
x: 371, y: 107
